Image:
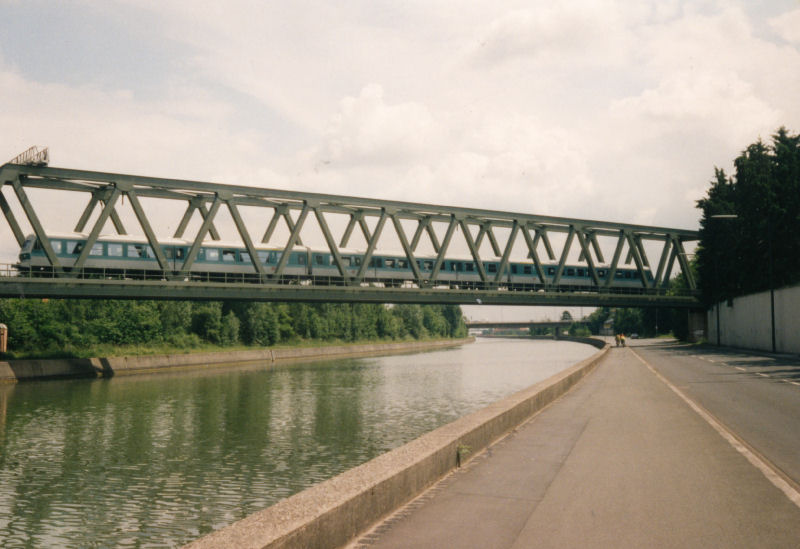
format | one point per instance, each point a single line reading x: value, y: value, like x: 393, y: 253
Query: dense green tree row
x: 66, y: 326
x: 647, y: 322
x: 759, y: 246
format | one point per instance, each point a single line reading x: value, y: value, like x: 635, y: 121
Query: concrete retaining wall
x: 334, y: 512
x: 17, y: 370
x: 747, y: 322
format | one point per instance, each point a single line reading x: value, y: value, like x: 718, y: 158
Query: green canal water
x: 156, y: 461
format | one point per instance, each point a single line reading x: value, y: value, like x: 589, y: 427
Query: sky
x: 607, y: 109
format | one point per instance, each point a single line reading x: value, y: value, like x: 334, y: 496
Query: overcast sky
x: 610, y: 110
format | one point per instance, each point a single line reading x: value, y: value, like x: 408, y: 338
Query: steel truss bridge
x: 484, y: 235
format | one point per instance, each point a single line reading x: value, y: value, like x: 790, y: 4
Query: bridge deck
x: 94, y: 288
x: 621, y: 461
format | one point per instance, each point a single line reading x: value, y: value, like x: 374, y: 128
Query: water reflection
x: 161, y: 460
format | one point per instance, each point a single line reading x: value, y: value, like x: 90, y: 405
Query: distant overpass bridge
x: 487, y: 240
x: 479, y: 324
x: 558, y: 326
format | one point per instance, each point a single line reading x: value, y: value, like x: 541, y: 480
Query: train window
x: 428, y: 265
x: 262, y: 257
x: 452, y: 266
x: 97, y: 249
x: 301, y: 258
x: 570, y: 272
x: 229, y: 255
x: 73, y: 247
x: 492, y: 267
x: 627, y: 274
x: 402, y: 264
x: 513, y: 268
x: 114, y: 249
x: 319, y: 259
x: 56, y: 244
x: 637, y: 275
x: 375, y: 262
x: 551, y: 271
x: 601, y: 273
x: 244, y: 257
x: 140, y: 250
x: 346, y: 261
x: 526, y: 269
x: 469, y: 267
x: 212, y: 254
x: 357, y: 261
x: 389, y: 263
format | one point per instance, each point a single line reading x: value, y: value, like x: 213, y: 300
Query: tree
x: 207, y: 321
x: 758, y: 248
x: 229, y: 330
x: 259, y: 325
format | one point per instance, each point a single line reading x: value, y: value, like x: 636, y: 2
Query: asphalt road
x: 756, y: 396
x: 623, y: 461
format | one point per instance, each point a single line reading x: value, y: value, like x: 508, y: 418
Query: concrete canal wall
x: 334, y: 512
x: 20, y: 370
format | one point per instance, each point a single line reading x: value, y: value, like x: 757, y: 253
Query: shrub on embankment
x: 84, y: 328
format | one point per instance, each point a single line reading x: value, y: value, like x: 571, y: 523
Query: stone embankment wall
x: 746, y: 322
x: 336, y: 511
x: 18, y: 370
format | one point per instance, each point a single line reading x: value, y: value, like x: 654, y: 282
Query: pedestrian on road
x: 622, y: 339
x: 616, y: 338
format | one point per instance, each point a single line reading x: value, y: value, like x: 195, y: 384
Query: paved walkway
x: 620, y: 461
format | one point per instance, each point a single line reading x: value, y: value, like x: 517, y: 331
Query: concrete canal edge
x: 21, y: 370
x: 336, y: 511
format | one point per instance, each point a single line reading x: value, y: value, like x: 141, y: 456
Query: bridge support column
x: 698, y: 325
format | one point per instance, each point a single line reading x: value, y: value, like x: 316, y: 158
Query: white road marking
x: 755, y: 460
x: 762, y: 375
x: 740, y: 368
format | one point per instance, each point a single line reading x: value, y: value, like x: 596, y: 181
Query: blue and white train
x: 133, y: 257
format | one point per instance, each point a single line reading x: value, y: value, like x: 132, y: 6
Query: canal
x: 159, y: 460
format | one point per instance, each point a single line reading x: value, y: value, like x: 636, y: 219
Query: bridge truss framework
x: 412, y: 223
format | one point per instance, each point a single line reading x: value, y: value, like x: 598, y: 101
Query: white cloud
x: 788, y: 25
x: 701, y: 101
x: 553, y: 34
x: 367, y: 130
x: 597, y: 109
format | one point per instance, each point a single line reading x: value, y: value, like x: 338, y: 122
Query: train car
x: 133, y: 257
